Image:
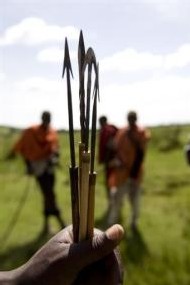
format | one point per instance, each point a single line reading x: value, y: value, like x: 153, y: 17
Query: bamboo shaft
x: 81, y: 150
x: 91, y: 205
x: 74, y: 202
x: 85, y: 165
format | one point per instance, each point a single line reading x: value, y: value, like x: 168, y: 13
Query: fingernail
x: 115, y: 232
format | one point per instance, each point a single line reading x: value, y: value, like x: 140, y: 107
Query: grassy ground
x: 158, y: 254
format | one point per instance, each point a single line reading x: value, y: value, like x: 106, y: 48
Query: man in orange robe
x: 38, y: 145
x: 130, y: 144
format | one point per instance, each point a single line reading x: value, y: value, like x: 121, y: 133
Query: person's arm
x: 62, y: 262
x: 18, y: 145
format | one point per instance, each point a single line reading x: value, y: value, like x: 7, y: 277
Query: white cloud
x: 25, y: 100
x: 34, y: 31
x: 2, y: 76
x: 162, y: 100
x: 54, y: 55
x: 37, y: 85
x: 180, y: 58
x: 131, y: 60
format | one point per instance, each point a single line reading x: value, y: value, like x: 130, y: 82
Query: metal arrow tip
x: 67, y: 61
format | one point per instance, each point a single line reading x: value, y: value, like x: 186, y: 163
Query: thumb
x: 101, y: 245
x: 115, y: 233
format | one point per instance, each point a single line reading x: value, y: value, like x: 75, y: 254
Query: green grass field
x: 158, y: 254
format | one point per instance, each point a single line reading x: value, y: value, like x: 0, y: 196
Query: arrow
x: 73, y: 168
x: 92, y: 175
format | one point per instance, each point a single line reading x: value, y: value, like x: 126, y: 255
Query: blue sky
x: 143, y: 50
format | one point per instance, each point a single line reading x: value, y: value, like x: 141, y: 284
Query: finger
x: 88, y: 252
x: 115, y: 233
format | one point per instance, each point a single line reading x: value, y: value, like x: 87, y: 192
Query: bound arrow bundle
x: 83, y: 177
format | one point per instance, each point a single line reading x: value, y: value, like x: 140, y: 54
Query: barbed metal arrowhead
x: 81, y: 52
x: 96, y: 83
x: 90, y: 58
x: 67, y: 61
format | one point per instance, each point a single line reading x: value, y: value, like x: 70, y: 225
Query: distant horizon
x: 98, y: 128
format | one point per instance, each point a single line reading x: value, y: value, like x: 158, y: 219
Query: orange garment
x: 37, y: 143
x: 126, y: 153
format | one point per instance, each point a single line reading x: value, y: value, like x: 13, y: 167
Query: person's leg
x: 51, y: 203
x: 42, y: 185
x: 107, y: 172
x: 46, y: 182
x: 134, y: 198
x: 115, y: 204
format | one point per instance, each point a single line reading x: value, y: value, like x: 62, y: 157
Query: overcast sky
x: 142, y: 46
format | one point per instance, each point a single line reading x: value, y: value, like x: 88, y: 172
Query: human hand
x: 62, y: 262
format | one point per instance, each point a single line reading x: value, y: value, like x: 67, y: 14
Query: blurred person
x: 131, y: 144
x: 62, y: 262
x: 38, y: 145
x: 106, y: 150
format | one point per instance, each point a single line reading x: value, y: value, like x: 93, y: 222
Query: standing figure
x: 131, y: 143
x: 106, y: 151
x: 38, y: 145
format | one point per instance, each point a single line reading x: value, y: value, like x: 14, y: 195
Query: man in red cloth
x: 106, y: 151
